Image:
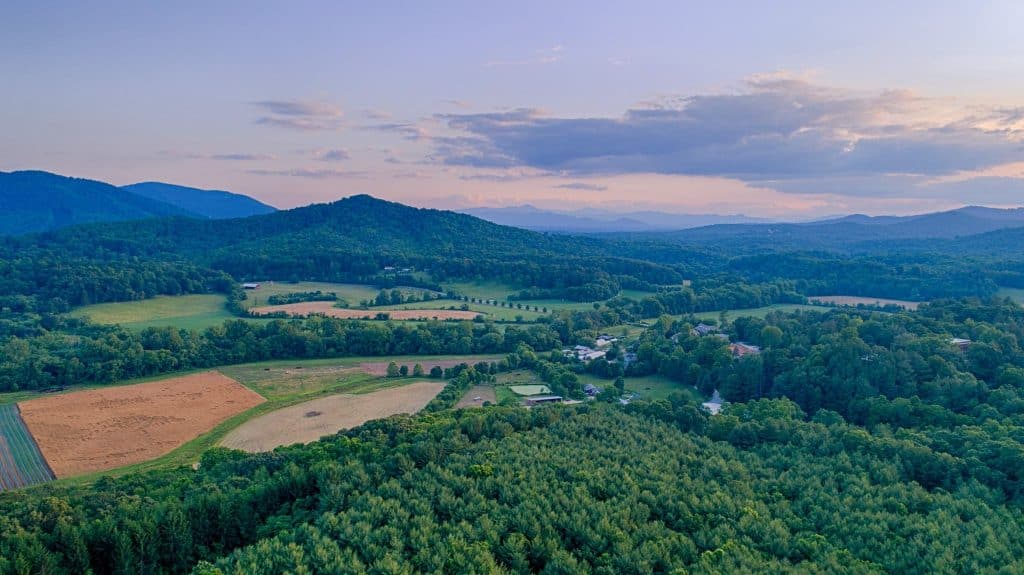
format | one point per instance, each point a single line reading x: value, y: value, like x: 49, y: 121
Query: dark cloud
x: 300, y: 115
x: 337, y: 155
x: 778, y: 128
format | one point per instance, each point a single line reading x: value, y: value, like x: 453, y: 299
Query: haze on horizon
x: 788, y: 109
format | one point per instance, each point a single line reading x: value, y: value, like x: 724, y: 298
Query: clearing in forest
x: 857, y: 300
x: 327, y: 308
x: 21, y: 462
x: 483, y: 392
x: 309, y: 421
x: 110, y: 427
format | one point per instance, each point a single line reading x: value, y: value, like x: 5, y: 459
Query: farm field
x: 352, y: 293
x: 761, y: 311
x: 311, y: 420
x: 491, y: 311
x: 21, y: 462
x: 1016, y: 294
x: 856, y: 300
x: 106, y: 428
x: 197, y: 311
x: 327, y: 308
x: 486, y: 393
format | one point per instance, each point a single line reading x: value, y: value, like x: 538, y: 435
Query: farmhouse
x: 583, y: 353
x: 960, y: 342
x: 250, y: 285
x: 703, y: 329
x: 740, y: 349
x: 605, y: 340
x: 591, y: 390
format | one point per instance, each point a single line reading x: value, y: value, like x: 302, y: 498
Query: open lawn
x: 311, y: 420
x: 477, y: 396
x: 21, y: 462
x: 857, y: 300
x: 761, y: 311
x: 1015, y: 294
x: 352, y: 293
x: 102, y: 429
x: 198, y: 311
x: 327, y: 308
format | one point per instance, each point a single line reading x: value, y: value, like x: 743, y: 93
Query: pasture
x: 844, y: 300
x: 106, y: 428
x: 476, y: 396
x: 311, y: 420
x: 197, y: 311
x: 21, y: 462
x: 327, y: 308
x: 352, y: 293
x: 529, y: 389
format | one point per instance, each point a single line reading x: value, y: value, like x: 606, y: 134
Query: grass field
x: 352, y: 293
x: 647, y: 387
x: 1015, y: 294
x: 761, y: 311
x: 491, y: 311
x: 21, y: 462
x: 501, y: 291
x: 187, y: 312
x: 847, y: 300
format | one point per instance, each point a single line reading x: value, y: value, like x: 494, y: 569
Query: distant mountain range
x: 594, y: 220
x: 36, y: 201
x: 213, y: 204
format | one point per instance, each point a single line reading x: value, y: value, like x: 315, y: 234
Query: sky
x: 779, y: 109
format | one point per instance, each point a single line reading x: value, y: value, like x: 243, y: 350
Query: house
x: 250, y: 285
x: 960, y: 342
x: 539, y: 399
x: 591, y: 390
x: 703, y: 329
x: 605, y: 340
x: 740, y: 349
x: 584, y: 353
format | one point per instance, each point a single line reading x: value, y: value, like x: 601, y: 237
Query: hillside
x: 32, y: 201
x: 594, y: 220
x: 213, y: 204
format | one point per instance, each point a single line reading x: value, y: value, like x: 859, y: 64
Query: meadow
x: 186, y: 312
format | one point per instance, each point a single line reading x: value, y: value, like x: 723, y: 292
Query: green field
x: 647, y: 387
x: 491, y: 311
x: 501, y: 291
x: 761, y: 311
x: 186, y: 311
x: 21, y: 462
x: 1016, y: 294
x: 351, y: 293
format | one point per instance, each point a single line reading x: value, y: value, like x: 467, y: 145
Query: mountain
x: 592, y: 220
x: 35, y: 201
x: 213, y: 204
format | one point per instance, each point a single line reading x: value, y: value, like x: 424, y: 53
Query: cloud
x: 316, y: 174
x: 539, y: 57
x: 461, y: 104
x: 407, y: 130
x: 300, y: 115
x: 231, y: 157
x: 779, y: 128
x: 373, y: 114
x: 336, y: 155
x: 583, y: 187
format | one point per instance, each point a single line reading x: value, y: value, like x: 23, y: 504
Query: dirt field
x: 103, y: 429
x: 312, y: 420
x: 380, y: 368
x: 327, y: 308
x: 854, y: 300
x: 484, y: 392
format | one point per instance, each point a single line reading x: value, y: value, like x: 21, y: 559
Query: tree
x: 436, y: 372
x: 403, y: 371
x: 417, y: 370
x: 393, y: 369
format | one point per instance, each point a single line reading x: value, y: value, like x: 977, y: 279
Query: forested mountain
x: 213, y: 204
x: 32, y: 201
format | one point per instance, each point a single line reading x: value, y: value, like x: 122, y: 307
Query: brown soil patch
x: 327, y: 308
x: 291, y: 425
x: 855, y: 300
x: 484, y: 392
x: 106, y: 428
x: 380, y: 368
